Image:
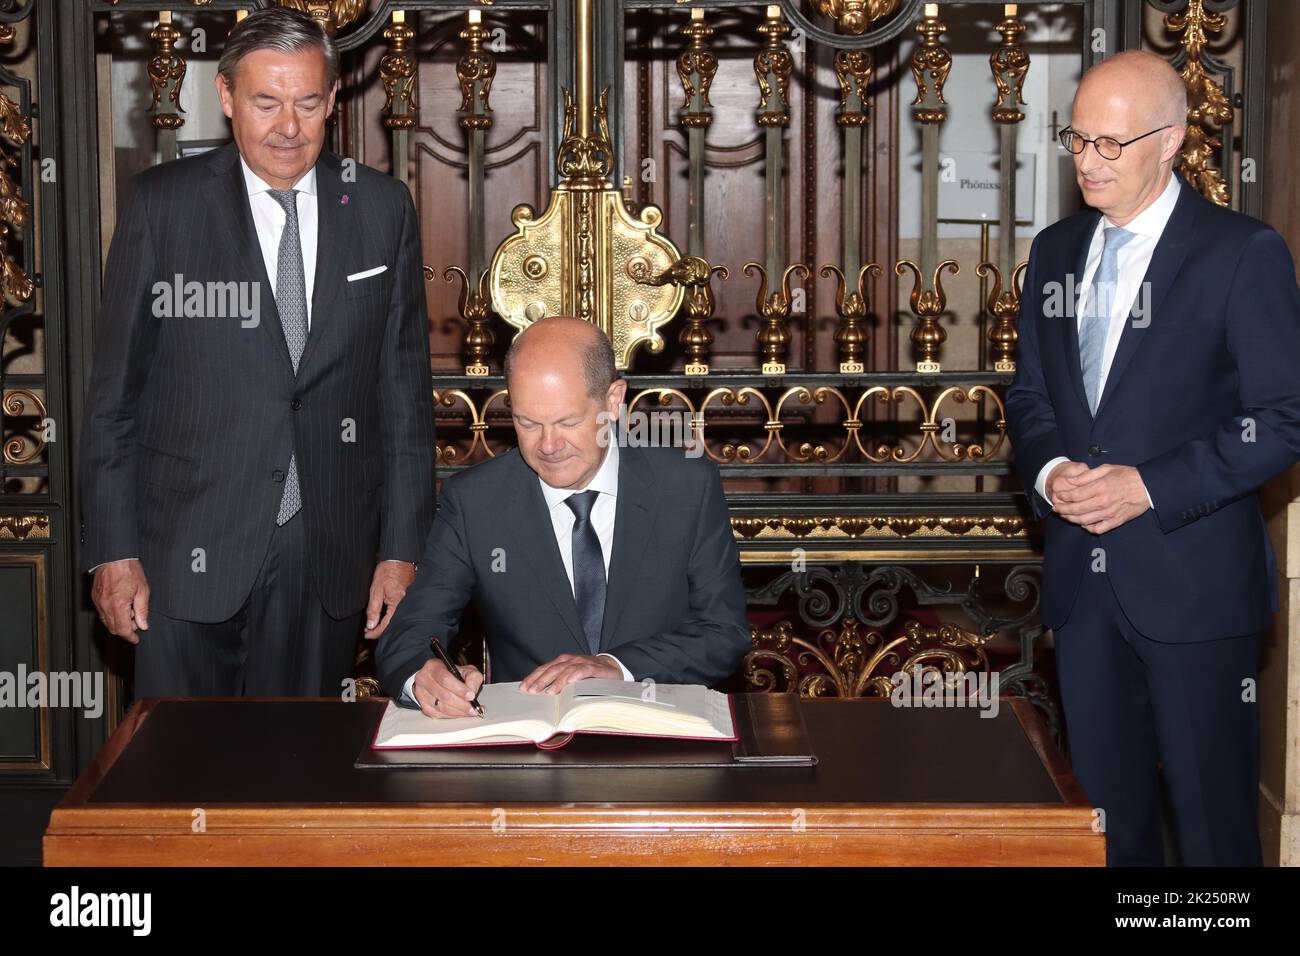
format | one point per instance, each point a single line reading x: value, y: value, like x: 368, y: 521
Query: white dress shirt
x: 269, y: 218
x: 1132, y: 261
x: 563, y: 519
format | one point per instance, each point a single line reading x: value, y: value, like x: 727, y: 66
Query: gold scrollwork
x: 19, y: 447
x: 848, y: 663
x: 779, y: 419
x: 857, y: 527
x: 1208, y: 109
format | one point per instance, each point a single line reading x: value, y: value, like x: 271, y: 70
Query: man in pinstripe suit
x: 253, y: 481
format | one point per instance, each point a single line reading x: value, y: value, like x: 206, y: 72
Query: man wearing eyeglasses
x: 1155, y: 392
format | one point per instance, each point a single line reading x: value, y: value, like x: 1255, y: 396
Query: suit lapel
x: 535, y: 537
x: 1082, y: 240
x: 1171, y: 249
x: 334, y: 229
x: 634, y: 522
x: 228, y: 200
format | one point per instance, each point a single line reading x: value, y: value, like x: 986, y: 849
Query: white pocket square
x: 367, y: 274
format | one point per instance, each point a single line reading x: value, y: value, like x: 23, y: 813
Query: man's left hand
x: 387, y: 588
x: 553, y: 676
x: 1102, y: 498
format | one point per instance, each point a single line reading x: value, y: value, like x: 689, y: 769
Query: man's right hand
x: 1056, y: 478
x: 121, y: 596
x: 439, y: 694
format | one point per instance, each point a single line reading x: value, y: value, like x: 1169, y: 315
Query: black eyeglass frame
x: 1068, y: 134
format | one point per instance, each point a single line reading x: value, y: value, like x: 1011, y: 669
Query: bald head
x: 1137, y: 100
x: 1141, y: 79
x: 564, y: 393
x: 567, y: 346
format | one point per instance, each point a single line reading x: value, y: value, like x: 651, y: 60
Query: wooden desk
x: 275, y: 782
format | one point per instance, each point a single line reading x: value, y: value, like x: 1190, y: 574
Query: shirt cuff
x: 1040, y: 485
x: 100, y: 565
x: 627, y: 674
x: 408, y: 689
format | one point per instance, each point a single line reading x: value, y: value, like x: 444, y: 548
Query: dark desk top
x: 257, y: 751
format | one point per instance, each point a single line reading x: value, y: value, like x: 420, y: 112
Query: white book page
x: 508, y: 715
x: 681, y: 710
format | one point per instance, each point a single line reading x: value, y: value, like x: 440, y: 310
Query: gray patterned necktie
x: 291, y: 303
x: 1096, y: 319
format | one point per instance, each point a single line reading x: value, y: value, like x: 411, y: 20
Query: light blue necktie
x: 1096, y: 318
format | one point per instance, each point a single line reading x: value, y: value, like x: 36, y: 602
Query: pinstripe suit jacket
x: 191, y: 419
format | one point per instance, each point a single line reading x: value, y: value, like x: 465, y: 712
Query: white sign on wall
x: 970, y: 185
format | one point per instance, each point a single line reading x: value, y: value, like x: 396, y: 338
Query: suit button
x: 296, y: 404
x: 277, y: 475
x: 1094, y: 450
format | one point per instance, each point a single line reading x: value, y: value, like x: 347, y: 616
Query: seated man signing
x: 585, y: 559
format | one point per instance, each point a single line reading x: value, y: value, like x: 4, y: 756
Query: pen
x: 442, y: 656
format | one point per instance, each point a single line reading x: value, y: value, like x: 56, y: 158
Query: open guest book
x: 591, y: 706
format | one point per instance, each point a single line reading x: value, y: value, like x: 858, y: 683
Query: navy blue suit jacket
x: 1203, y: 397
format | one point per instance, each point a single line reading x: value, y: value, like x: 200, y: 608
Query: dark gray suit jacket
x: 674, y: 604
x: 190, y: 420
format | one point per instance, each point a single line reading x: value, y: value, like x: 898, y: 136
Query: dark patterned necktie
x: 291, y: 303
x: 588, y: 568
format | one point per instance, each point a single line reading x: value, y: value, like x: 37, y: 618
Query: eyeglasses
x: 1107, y: 146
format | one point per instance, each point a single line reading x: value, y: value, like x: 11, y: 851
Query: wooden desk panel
x: 276, y: 784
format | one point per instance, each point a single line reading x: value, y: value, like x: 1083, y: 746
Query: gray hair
x: 283, y: 30
x: 597, y: 358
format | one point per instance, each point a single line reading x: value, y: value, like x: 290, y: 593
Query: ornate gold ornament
x: 19, y: 447
x: 774, y: 335
x: 586, y: 255
x: 750, y: 528
x: 773, y: 65
x: 475, y: 71
x: 332, y: 15
x: 852, y: 664
x: 1208, y: 109
x: 928, y: 305
x: 16, y: 129
x: 695, y: 274
x: 698, y: 61
x: 397, y: 70
x: 851, y: 304
x: 1004, y: 305
x: 854, y: 16
x: 853, y: 70
x: 776, y: 418
x: 22, y: 527
x: 475, y: 309
x: 166, y: 73
x: 1009, y: 63
x: 930, y: 60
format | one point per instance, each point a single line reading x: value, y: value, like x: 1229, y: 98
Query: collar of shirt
x: 256, y: 184
x: 605, y: 480
x: 1151, y: 222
